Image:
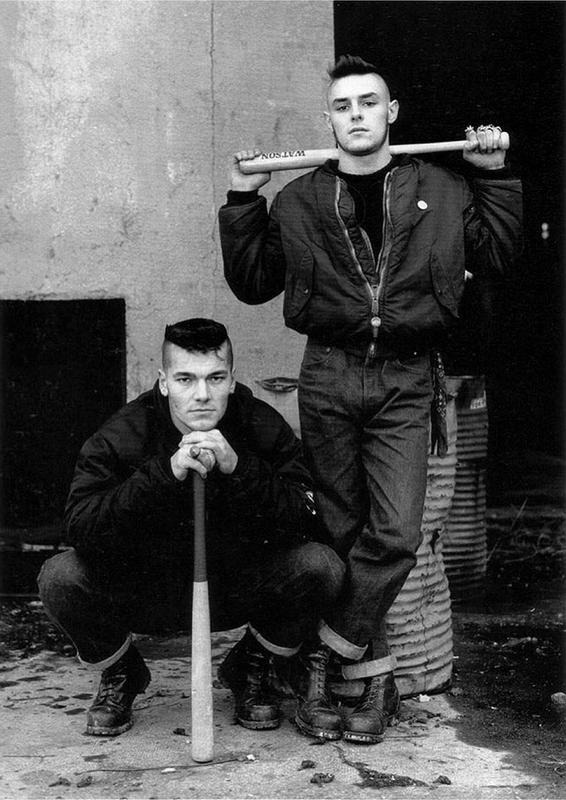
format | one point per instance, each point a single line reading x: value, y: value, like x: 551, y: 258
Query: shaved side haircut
x: 197, y: 335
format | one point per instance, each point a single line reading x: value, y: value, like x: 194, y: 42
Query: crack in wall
x: 213, y: 237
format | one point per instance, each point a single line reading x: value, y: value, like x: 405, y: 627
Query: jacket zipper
x: 382, y: 260
x: 374, y: 290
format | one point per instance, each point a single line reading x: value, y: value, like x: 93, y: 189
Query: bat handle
x: 199, y: 564
x: 202, y: 739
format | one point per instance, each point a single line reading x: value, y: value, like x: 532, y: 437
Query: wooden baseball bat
x: 303, y: 159
x: 202, y: 743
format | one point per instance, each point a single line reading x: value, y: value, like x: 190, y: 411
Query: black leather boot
x: 376, y: 708
x: 111, y: 712
x: 316, y: 716
x: 245, y: 671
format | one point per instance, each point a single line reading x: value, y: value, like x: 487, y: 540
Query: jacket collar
x: 330, y: 168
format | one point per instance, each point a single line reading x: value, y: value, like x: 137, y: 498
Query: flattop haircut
x: 198, y: 335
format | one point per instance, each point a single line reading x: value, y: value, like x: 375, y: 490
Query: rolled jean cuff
x: 276, y: 649
x: 340, y: 645
x: 367, y: 669
x: 107, y: 662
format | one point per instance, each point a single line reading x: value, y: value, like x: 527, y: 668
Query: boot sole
x: 93, y: 730
x: 317, y: 733
x: 368, y: 738
x: 253, y: 725
x: 362, y: 738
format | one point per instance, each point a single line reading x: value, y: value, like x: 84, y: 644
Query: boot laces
x: 110, y: 692
x: 373, y: 692
x: 318, y: 662
x: 257, y: 667
x: 120, y: 681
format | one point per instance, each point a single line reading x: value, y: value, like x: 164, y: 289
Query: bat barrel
x: 287, y: 159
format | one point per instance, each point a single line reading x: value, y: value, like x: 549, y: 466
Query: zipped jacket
x: 125, y: 504
x: 437, y: 226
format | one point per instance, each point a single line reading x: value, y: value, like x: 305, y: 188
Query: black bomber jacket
x: 124, y: 501
x: 437, y: 226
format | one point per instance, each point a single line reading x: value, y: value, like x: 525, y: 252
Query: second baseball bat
x: 201, y: 655
x: 305, y: 159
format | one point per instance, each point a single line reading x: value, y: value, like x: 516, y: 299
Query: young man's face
x: 360, y: 112
x: 197, y: 386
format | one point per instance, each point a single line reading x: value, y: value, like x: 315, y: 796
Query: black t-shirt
x: 367, y: 192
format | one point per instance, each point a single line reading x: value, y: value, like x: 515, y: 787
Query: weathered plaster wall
x: 118, y: 123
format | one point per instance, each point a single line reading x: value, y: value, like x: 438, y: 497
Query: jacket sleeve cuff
x: 240, y: 198
x: 490, y: 174
x: 163, y: 465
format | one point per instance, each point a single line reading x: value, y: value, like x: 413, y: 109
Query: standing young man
x: 371, y: 252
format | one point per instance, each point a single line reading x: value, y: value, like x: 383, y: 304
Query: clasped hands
x: 201, y: 451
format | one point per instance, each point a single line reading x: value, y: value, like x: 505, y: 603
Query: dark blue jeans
x: 365, y: 427
x: 281, y: 592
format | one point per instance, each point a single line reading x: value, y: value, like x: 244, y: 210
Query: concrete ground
x: 435, y: 750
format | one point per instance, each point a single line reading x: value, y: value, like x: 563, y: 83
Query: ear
x: 233, y: 383
x: 330, y: 126
x: 162, y: 383
x: 393, y: 111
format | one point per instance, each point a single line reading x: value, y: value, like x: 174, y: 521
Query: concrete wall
x: 118, y: 123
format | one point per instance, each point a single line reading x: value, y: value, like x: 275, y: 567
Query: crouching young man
x: 129, y: 521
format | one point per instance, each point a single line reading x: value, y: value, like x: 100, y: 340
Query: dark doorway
x: 451, y: 64
x: 63, y: 373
